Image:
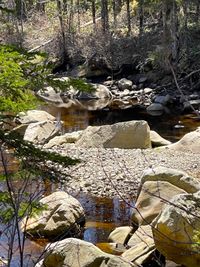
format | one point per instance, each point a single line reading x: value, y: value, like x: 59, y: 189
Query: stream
x: 104, y: 214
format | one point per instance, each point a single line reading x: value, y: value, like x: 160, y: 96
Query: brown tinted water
x: 103, y: 214
x: 169, y: 126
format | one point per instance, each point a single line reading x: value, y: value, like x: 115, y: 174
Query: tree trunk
x: 20, y: 9
x: 128, y: 17
x: 197, y: 12
x: 170, y: 31
x: 174, y: 32
x: 60, y: 9
x: 114, y: 13
x: 141, y: 17
x: 185, y: 37
x: 94, y: 14
x: 104, y: 15
x: 78, y: 14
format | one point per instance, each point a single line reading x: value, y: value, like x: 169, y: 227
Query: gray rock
x: 73, y: 252
x: 158, y: 140
x: 132, y: 134
x: 125, y: 84
x: 61, y: 216
x: 159, y: 185
x: 174, y: 230
x: 32, y: 116
x: 41, y: 132
x: 155, y: 109
x: 50, y: 95
x: 189, y: 142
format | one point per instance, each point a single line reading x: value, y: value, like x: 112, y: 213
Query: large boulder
x: 131, y: 134
x: 73, y: 252
x: 32, y: 116
x: 101, y: 92
x: 157, y: 187
x: 62, y: 216
x: 63, y: 139
x: 189, y: 142
x: 49, y: 94
x: 174, y: 230
x: 41, y: 132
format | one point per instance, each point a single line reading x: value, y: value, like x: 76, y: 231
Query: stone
x: 32, y: 116
x: 63, y: 139
x: 157, y: 140
x: 147, y: 91
x: 142, y: 79
x: 143, y: 233
x: 141, y: 247
x: 189, y: 142
x: 155, y: 109
x: 125, y: 84
x: 95, y: 104
x: 164, y: 100
x: 73, y: 252
x: 62, y: 216
x: 174, y: 230
x: 158, y: 186
x: 41, y: 132
x: 120, y: 234
x: 101, y: 92
x: 50, y: 95
x: 131, y: 134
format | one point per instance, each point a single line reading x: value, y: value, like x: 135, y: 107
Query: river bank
x: 117, y: 172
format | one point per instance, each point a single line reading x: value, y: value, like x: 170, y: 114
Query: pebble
x: 114, y: 172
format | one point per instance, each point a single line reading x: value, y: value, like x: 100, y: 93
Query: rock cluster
x: 166, y: 214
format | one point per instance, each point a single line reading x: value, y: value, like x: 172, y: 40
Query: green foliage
x: 77, y: 84
x: 16, y: 79
x: 22, y: 73
x: 28, y: 151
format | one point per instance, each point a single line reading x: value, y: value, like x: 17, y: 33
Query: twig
x: 181, y: 92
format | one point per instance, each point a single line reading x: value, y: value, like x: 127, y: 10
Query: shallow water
x: 103, y: 214
x: 169, y: 126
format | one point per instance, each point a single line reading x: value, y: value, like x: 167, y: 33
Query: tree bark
x: 141, y: 17
x: 197, y: 12
x: 94, y: 14
x: 128, y: 17
x: 170, y: 30
x: 104, y: 15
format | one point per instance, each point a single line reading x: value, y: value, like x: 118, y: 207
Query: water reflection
x: 76, y: 118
